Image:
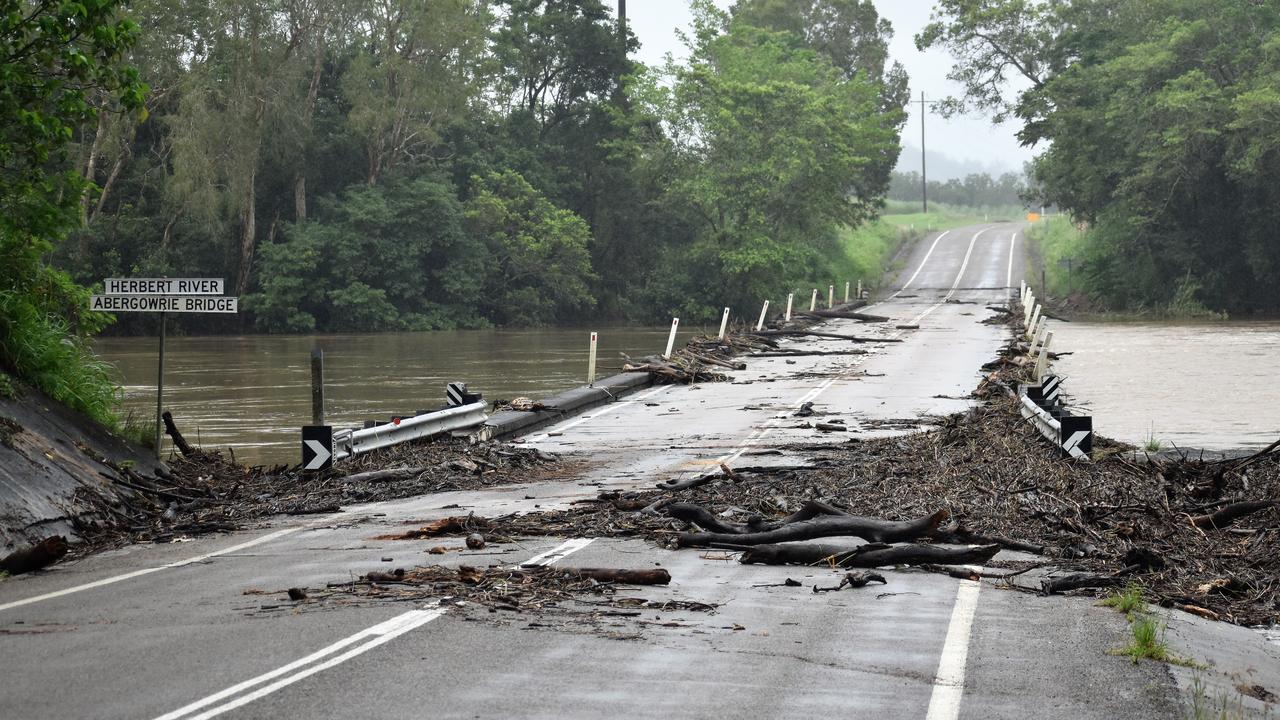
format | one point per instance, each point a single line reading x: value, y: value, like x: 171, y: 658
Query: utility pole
x: 924, y: 176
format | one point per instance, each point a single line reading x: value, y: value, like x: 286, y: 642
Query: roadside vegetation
x: 1146, y: 628
x: 1156, y: 121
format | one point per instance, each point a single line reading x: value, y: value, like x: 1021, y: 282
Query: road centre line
x: 948, y: 683
x: 963, y: 266
x: 558, y: 553
x: 379, y: 634
x: 923, y: 262
x: 147, y: 571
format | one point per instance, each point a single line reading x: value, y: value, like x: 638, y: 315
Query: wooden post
x: 317, y: 387
x: 591, y: 362
x: 160, y: 387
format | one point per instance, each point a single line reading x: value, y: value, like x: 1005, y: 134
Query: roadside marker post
x: 1037, y: 337
x: 831, y: 296
x: 846, y: 290
x: 763, y: 311
x: 1035, y: 318
x: 317, y: 387
x: 671, y: 339
x: 163, y: 295
x: 724, y: 322
x: 790, y: 297
x: 1042, y: 362
x: 813, y: 300
x: 859, y: 289
x: 591, y: 362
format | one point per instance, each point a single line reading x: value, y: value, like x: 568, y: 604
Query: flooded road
x: 1209, y: 385
x: 252, y: 393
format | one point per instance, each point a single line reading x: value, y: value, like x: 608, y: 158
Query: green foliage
x: 1128, y: 600
x: 53, y: 58
x: 540, y: 262
x: 1159, y: 119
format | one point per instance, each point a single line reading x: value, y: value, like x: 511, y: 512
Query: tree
x: 53, y: 58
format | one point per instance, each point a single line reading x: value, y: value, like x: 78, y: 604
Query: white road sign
x: 164, y: 303
x: 163, y: 286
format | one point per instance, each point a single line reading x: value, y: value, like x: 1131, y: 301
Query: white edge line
x: 948, y: 684
x: 147, y: 571
x: 381, y: 633
x: 1008, y: 277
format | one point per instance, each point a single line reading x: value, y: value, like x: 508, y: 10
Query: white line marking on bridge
x: 558, y: 553
x: 379, y: 634
x: 1008, y: 276
x: 912, y: 279
x: 603, y: 411
x: 147, y: 571
x: 948, y: 684
x: 963, y: 266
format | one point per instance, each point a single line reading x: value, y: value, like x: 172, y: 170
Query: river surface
x: 1210, y: 386
x: 253, y: 393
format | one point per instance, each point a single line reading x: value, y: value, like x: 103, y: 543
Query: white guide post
x: 591, y: 362
x: 1042, y: 362
x: 1035, y: 318
x: 763, y: 311
x: 831, y: 296
x: 846, y: 292
x: 724, y: 322
x: 790, y: 297
x: 671, y: 339
x: 813, y: 300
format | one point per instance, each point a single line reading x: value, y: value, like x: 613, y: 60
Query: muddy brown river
x: 253, y: 393
x: 1210, y: 385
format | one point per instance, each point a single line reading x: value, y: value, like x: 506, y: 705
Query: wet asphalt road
x: 168, y: 631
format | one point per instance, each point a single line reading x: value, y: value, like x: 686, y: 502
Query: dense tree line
x: 413, y: 164
x: 976, y: 190
x: 1160, y: 123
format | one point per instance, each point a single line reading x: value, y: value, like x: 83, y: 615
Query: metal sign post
x: 163, y: 295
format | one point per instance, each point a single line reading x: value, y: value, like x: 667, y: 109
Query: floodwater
x: 253, y: 393
x: 1206, y: 386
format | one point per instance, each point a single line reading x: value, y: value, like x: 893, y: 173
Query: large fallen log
x: 866, y: 556
x: 179, y: 442
x: 33, y: 557
x: 709, y: 521
x: 1231, y: 513
x: 870, y: 529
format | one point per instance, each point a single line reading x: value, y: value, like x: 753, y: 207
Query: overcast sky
x: 973, y: 139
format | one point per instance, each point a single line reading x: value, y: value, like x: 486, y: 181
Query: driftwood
x: 1231, y: 513
x: 866, y: 556
x: 1078, y: 581
x: 959, y: 535
x: 33, y: 557
x: 871, y: 529
x: 812, y: 333
x: 853, y: 580
x: 399, y: 473
x: 804, y: 353
x: 614, y: 575
x: 843, y: 315
x: 179, y: 442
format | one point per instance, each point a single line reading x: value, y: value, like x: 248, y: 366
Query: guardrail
x: 1073, y: 434
x: 347, y: 443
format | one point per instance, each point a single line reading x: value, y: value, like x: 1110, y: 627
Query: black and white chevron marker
x: 1048, y: 393
x: 317, y: 447
x: 454, y: 393
x: 1075, y: 434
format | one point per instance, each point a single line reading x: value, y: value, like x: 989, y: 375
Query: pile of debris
x: 205, y: 491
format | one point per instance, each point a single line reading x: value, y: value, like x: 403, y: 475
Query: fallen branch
x: 866, y: 556
x: 399, y: 473
x: 1231, y: 513
x: 853, y: 580
x: 812, y: 333
x: 614, y: 575
x: 179, y: 442
x: 1078, y: 581
x: 871, y: 529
